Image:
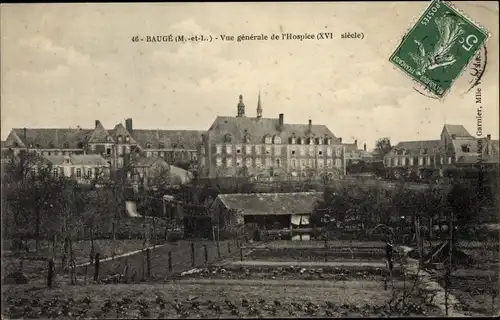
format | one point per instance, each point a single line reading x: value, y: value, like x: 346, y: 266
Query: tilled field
x: 210, y: 299
x: 288, y: 273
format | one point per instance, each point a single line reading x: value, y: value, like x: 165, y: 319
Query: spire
x: 241, y: 107
x: 259, y: 108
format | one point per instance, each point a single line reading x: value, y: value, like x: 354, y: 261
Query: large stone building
x: 115, y: 145
x: 456, y: 147
x: 260, y: 146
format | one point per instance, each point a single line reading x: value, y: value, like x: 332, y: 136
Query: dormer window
x: 422, y: 151
x: 120, y: 139
x: 51, y: 145
x: 277, y: 140
x: 148, y: 145
x: 293, y: 140
x: 311, y: 141
x: 267, y: 139
x: 66, y: 145
x: 127, y: 139
x: 320, y: 141
x: 228, y: 137
x: 30, y: 145
x: 67, y: 161
x: 109, y: 139
x: 465, y: 148
x: 161, y: 145
x: 38, y: 145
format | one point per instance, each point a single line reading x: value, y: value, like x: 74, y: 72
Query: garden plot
x: 317, y: 254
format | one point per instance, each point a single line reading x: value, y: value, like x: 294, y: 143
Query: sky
x: 66, y: 65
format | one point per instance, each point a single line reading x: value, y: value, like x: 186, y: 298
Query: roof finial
x: 259, y: 107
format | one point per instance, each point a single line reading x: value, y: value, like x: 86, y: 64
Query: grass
x: 36, y: 265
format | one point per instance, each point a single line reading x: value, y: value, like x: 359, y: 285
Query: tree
x: 382, y: 147
x: 31, y: 190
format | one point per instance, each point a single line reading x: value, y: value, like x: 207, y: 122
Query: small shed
x: 268, y: 210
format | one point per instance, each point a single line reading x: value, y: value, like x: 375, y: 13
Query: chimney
x: 128, y: 125
x: 281, y: 119
x: 310, y: 125
x: 356, y: 143
x: 364, y: 147
x: 97, y: 122
x: 340, y: 139
x: 488, y: 136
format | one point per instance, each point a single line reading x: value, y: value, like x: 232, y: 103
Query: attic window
x: 162, y: 145
x: 320, y: 141
x: 127, y: 139
x: 120, y: 138
x: 148, y: 145
x: 66, y: 145
x: 465, y: 148
x: 311, y: 141
x: 109, y: 139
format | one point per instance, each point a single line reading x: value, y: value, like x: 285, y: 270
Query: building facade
x: 83, y: 168
x: 456, y: 147
x: 257, y: 146
x: 115, y: 145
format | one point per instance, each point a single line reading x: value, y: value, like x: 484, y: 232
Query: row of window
x: 403, y: 161
x: 268, y: 150
x: 168, y: 155
x: 79, y: 172
x: 268, y: 162
x: 298, y: 140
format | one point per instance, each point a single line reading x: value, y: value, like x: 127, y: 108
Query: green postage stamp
x: 438, y: 47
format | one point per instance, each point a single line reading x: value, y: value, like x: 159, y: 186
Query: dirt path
x: 430, y: 285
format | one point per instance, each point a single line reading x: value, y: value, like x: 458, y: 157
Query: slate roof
x: 473, y: 155
x: 73, y: 138
x: 79, y: 159
x: 146, y: 161
x: 432, y: 147
x: 350, y: 147
x: 257, y: 128
x: 456, y: 129
x: 44, y: 138
x: 271, y: 203
x: 100, y: 134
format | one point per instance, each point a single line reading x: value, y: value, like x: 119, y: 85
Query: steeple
x: 241, y: 107
x: 259, y: 108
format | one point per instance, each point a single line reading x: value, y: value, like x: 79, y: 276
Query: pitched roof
x: 120, y: 130
x: 256, y: 129
x: 432, y: 147
x: 146, y: 161
x: 457, y: 130
x: 473, y: 155
x: 79, y: 159
x: 271, y: 203
x: 182, y: 139
x: 44, y: 138
x: 350, y: 147
x: 100, y: 134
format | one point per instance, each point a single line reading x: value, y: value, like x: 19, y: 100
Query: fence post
x: 50, y: 273
x: 148, y: 261
x: 85, y: 276
x: 218, y: 242
x: 192, y: 254
x: 326, y: 250
x: 169, y: 261
x: 206, y: 253
x: 96, y: 267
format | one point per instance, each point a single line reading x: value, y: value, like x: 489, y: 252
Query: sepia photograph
x: 250, y: 160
